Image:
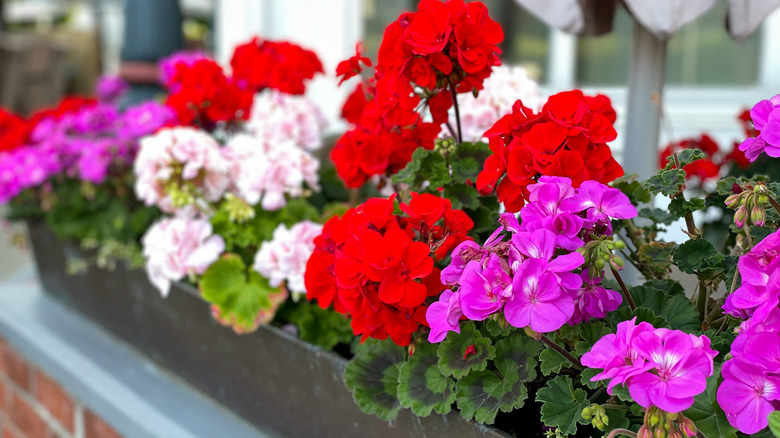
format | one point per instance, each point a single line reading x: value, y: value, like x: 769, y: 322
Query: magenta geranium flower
x: 593, y: 300
x: 484, y: 291
x: 679, y: 370
x: 443, y: 316
x: 601, y: 202
x: 465, y: 252
x: 746, y: 395
x: 616, y: 355
x: 538, y: 300
x: 766, y: 119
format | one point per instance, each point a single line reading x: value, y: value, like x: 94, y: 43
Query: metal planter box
x: 276, y: 381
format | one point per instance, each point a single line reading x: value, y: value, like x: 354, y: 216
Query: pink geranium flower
x: 538, y: 301
x: 746, y: 395
x: 483, y: 291
x: 443, y: 316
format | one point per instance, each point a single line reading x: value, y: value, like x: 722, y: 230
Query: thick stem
x: 692, y: 231
x: 623, y: 287
x: 774, y: 204
x: 617, y: 432
x: 457, y: 110
x: 550, y: 343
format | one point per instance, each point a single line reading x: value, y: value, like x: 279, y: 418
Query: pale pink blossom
x: 180, y: 157
x: 280, y: 117
x: 179, y: 247
x: 264, y: 172
x: 284, y: 257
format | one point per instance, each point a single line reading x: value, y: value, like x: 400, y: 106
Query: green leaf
x: 495, y: 329
x: 774, y: 423
x: 686, y: 156
x: 372, y: 376
x: 462, y: 196
x: 679, y: 207
x: 453, y: 358
x: 657, y: 256
x: 632, y: 188
x: 426, y: 165
x: 724, y: 185
x: 621, y: 392
x: 586, y: 375
x: 323, y: 327
x: 706, y: 413
x: 618, y: 419
x: 590, y: 333
x: 676, y: 310
x: 657, y: 215
x: 421, y: 385
x: 562, y: 405
x: 552, y: 361
x: 481, y: 394
x: 698, y: 256
x: 243, y: 299
x: 641, y: 313
x: 666, y: 285
x: 667, y: 182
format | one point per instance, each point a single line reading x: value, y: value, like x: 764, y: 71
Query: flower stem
x: 562, y: 351
x: 623, y: 287
x: 774, y: 203
x: 617, y: 432
x: 457, y: 110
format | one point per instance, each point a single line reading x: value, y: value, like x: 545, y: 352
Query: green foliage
x: 463, y: 196
x: 590, y: 333
x: 498, y: 329
x: 453, y: 358
x: 631, y: 187
x: 676, y: 310
x: 586, y: 375
x: 562, y: 405
x: 481, y: 394
x: 246, y: 237
x: 468, y: 160
x: 657, y: 257
x: 641, y: 313
x: 667, y: 182
x: 679, y: 207
x: 706, y: 412
x: 373, y: 376
x: 698, y: 256
x: 552, y: 361
x: 422, y: 387
x: 426, y: 165
x: 657, y: 215
x: 774, y: 423
x: 686, y: 157
x: 323, y: 327
x: 240, y: 294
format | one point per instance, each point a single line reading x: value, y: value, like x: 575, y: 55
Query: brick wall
x: 33, y: 405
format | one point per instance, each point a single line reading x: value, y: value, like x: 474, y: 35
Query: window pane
x: 701, y: 53
x: 526, y: 39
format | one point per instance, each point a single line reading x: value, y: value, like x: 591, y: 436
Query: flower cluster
x: 281, y: 66
x: 284, y: 257
x: 659, y: 367
x: 765, y: 115
x: 276, y: 116
x: 426, y: 58
x: 201, y: 93
x: 501, y: 90
x: 263, y: 171
x: 751, y: 378
x: 567, y: 138
x: 179, y: 167
x: 110, y: 88
x: 179, y: 247
x: 82, y: 139
x: 525, y: 269
x: 378, y: 266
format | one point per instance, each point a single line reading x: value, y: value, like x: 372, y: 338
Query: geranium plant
x: 531, y: 303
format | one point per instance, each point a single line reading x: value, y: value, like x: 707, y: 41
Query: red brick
x: 94, y: 427
x: 56, y: 400
x: 8, y: 432
x: 26, y: 419
x: 15, y: 366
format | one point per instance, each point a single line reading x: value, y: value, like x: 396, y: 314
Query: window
x: 701, y: 53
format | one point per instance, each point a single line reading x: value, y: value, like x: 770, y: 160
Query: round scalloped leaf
x: 461, y: 353
x: 562, y: 405
x: 482, y: 394
x: 240, y: 299
x: 372, y: 376
x: 498, y: 329
x: 677, y: 310
x: 421, y: 385
x: 517, y: 355
x: 552, y: 361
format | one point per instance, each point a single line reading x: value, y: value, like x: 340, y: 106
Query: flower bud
x: 644, y: 432
x: 619, y: 244
x: 732, y: 200
x: 654, y: 419
x: 688, y: 427
x: 740, y: 216
x: 531, y: 333
x: 757, y: 215
x: 586, y: 413
x: 674, y: 434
